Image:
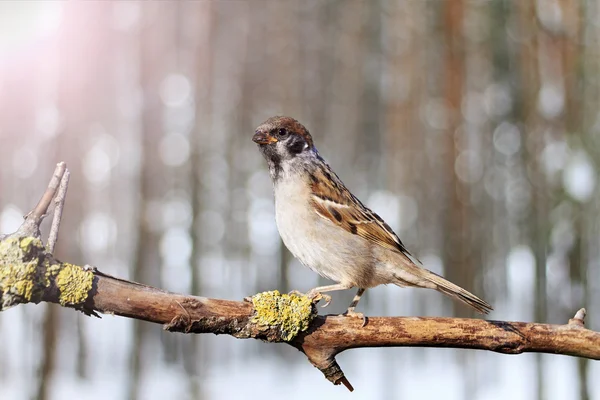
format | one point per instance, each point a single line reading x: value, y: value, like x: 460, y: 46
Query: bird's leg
x: 351, y: 312
x: 318, y: 292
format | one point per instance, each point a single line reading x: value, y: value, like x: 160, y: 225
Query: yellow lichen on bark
x: 27, y: 243
x: 18, y: 267
x: 52, y: 271
x: 291, y: 313
x: 26, y: 272
x: 74, y: 284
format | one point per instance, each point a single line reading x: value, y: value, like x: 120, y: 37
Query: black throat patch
x: 274, y: 161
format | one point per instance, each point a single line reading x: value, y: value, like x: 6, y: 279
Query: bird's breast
x: 318, y: 243
x: 295, y: 221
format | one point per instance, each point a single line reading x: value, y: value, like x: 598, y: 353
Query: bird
x: 330, y: 231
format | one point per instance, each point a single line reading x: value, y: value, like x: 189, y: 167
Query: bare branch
x: 270, y: 316
x: 59, y: 200
x: 31, y: 225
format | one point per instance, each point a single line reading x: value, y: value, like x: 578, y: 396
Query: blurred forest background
x: 472, y: 127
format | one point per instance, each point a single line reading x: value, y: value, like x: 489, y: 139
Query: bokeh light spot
x: 551, y: 100
x: 175, y: 90
x: 468, y: 167
x: 11, y: 218
x: 97, y: 231
x: 497, y: 100
x: 579, y: 177
x: 507, y: 139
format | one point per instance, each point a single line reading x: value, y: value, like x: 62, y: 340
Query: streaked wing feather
x: 334, y: 202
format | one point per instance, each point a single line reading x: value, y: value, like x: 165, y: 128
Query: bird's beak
x: 263, y: 138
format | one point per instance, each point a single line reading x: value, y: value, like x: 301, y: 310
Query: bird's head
x: 282, y: 138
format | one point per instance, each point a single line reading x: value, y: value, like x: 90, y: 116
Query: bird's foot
x: 318, y: 296
x: 354, y: 314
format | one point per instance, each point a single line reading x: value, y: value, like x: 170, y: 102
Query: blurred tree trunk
x: 456, y: 252
x: 403, y: 137
x: 74, y: 84
x: 146, y: 264
x: 47, y: 360
x: 369, y: 136
x: 528, y: 88
x: 203, y: 18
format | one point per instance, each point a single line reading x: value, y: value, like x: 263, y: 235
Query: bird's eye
x: 282, y: 132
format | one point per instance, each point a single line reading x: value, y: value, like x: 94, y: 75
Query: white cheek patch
x: 305, y: 146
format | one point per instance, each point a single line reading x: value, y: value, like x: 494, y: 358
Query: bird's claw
x: 326, y: 298
x: 317, y: 296
x: 354, y: 314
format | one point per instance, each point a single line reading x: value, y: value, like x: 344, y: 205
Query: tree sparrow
x: 329, y: 230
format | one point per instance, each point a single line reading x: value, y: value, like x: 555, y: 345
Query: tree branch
x: 29, y: 273
x: 33, y: 220
x: 59, y: 199
x: 264, y: 315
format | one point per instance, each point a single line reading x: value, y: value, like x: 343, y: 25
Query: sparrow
x: 331, y: 231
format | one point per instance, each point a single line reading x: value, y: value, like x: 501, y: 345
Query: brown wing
x: 334, y: 202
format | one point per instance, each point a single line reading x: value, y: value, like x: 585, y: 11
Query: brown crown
x: 288, y: 123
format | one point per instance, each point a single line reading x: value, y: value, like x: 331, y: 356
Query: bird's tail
x: 455, y: 291
x: 421, y: 277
